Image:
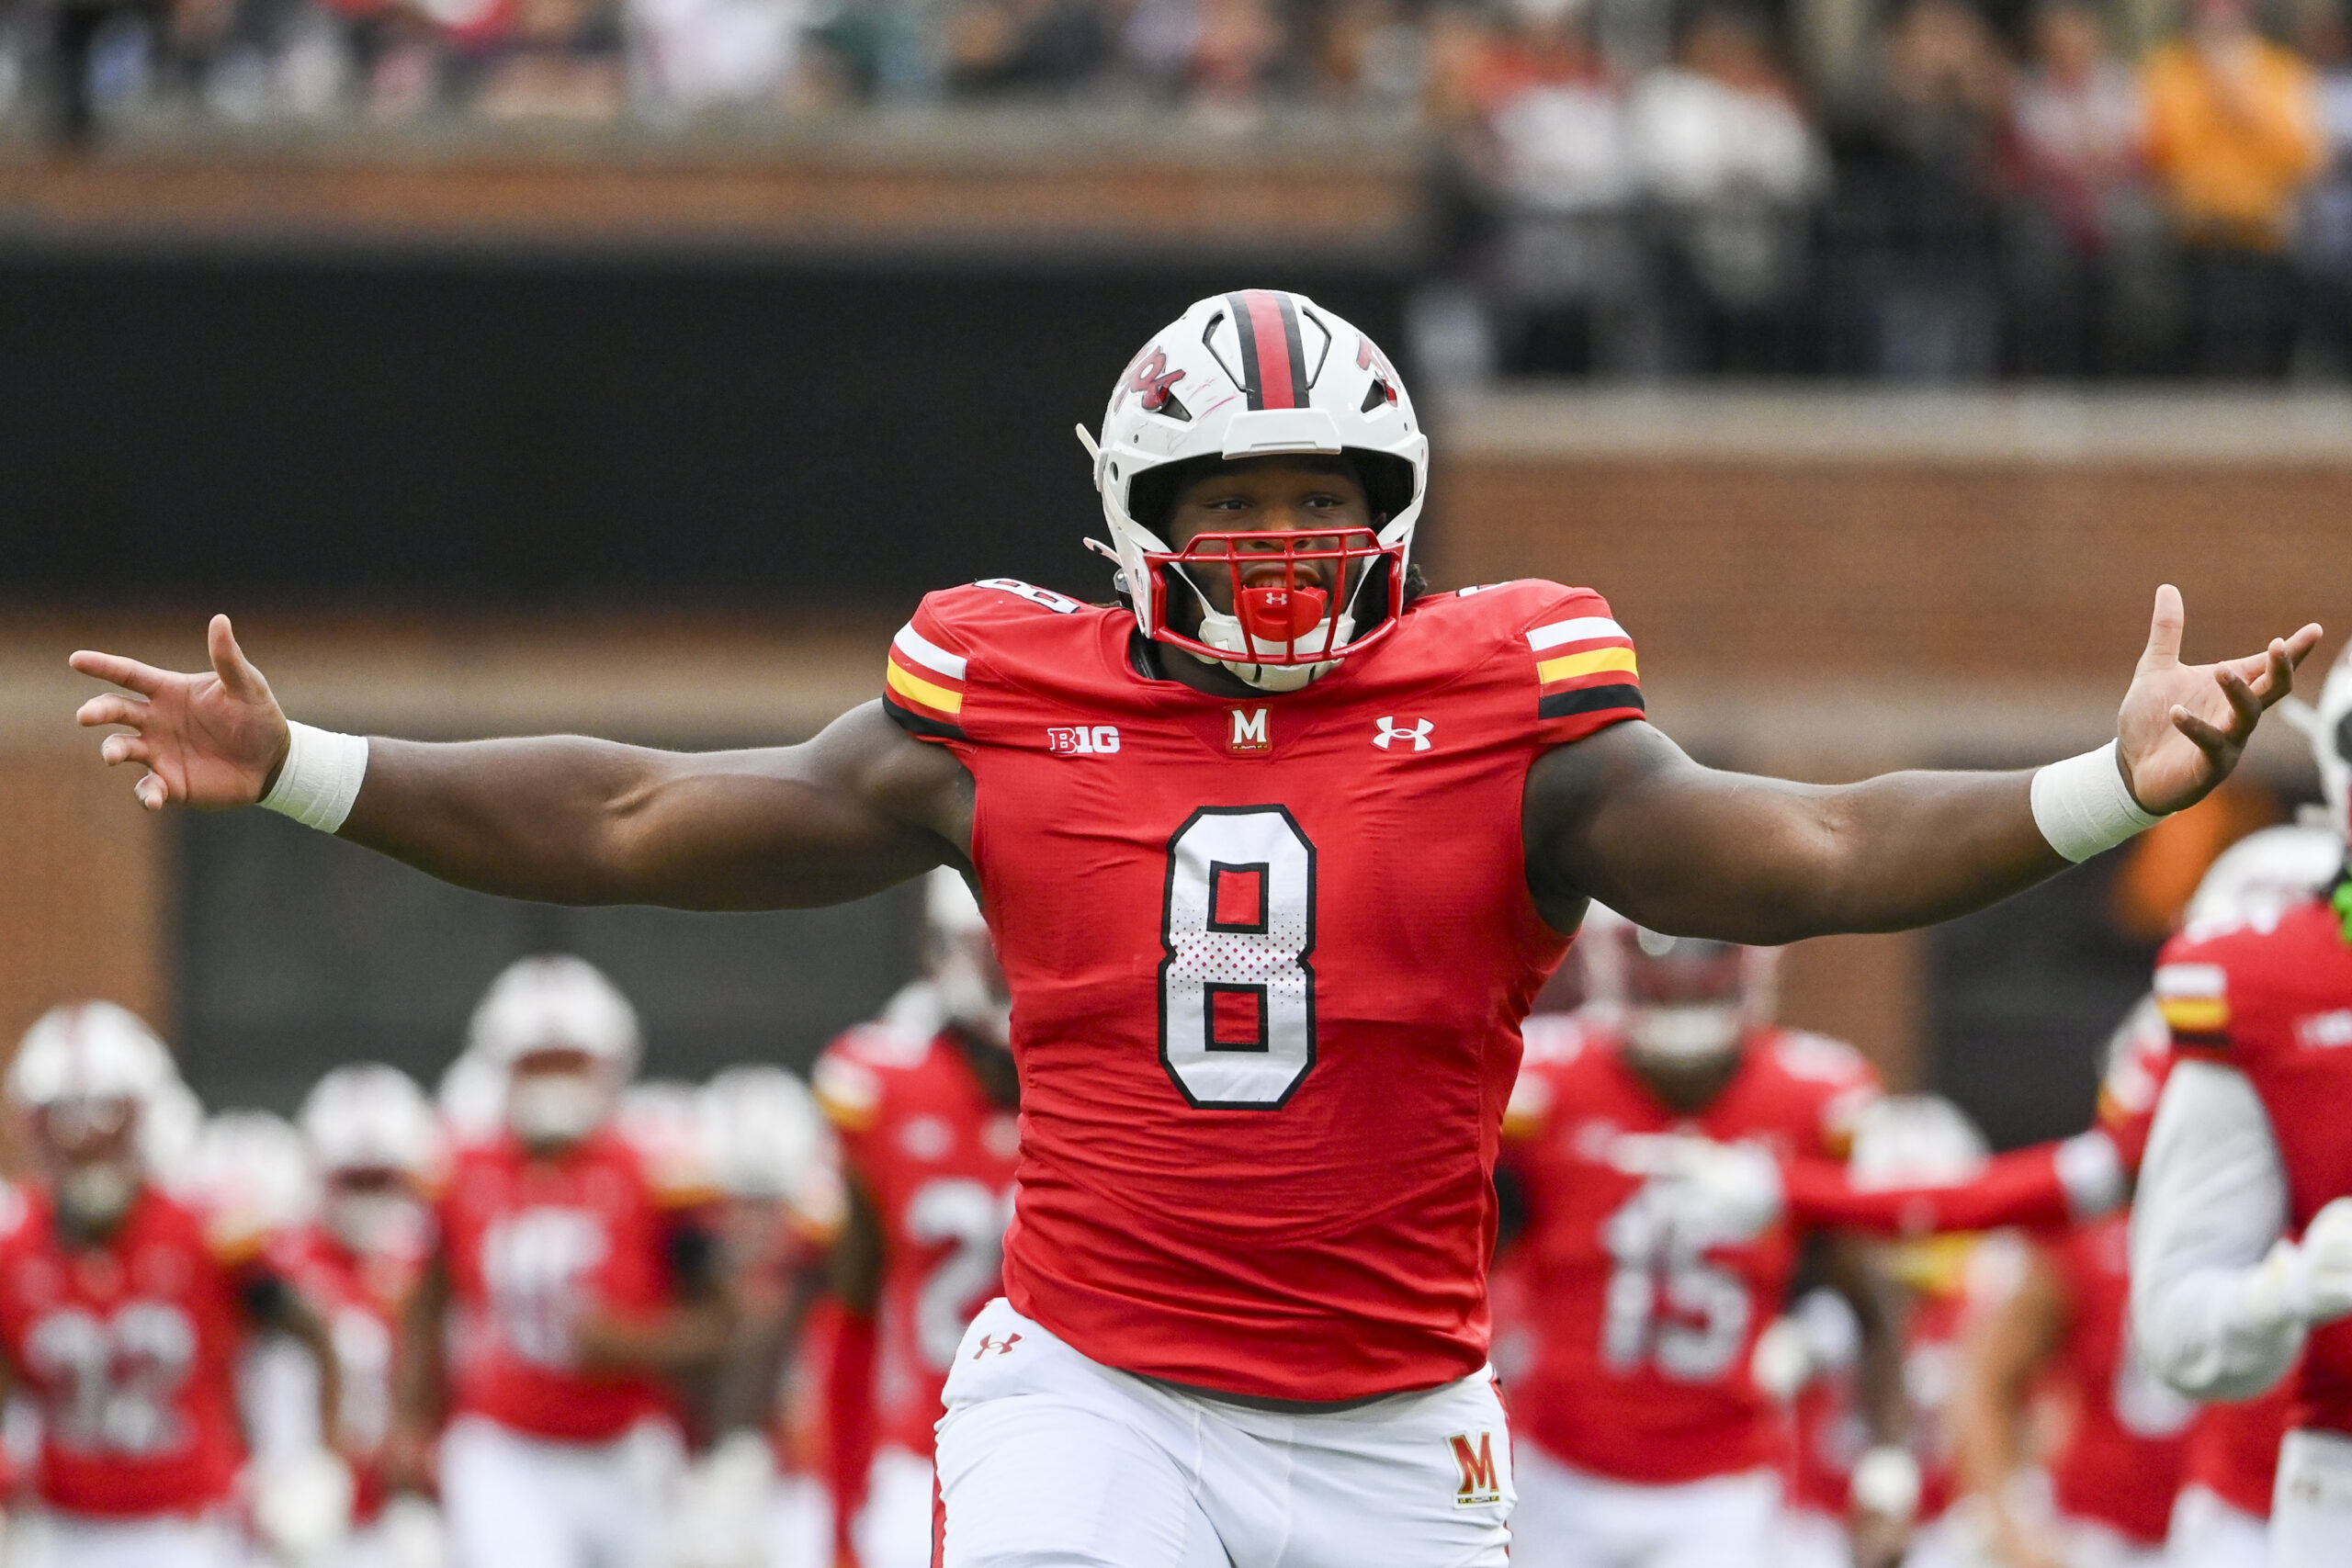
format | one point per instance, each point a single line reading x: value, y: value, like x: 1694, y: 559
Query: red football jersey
x: 531, y: 1245
x: 1269, y: 956
x: 2274, y: 999
x: 360, y: 1296
x: 131, y: 1351
x: 2233, y: 1448
x: 2126, y: 1445
x: 1641, y: 1371
x: 935, y: 1156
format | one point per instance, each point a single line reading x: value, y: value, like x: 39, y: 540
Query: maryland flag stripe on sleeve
x: 923, y: 686
x: 2195, y: 1001
x: 1585, y: 670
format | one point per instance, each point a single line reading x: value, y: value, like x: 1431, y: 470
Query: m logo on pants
x: 1479, y: 1483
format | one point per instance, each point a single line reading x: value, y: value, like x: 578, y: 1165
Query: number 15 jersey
x: 1269, y: 957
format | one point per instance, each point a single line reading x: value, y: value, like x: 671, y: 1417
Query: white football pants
x: 800, y: 1522
x: 43, y: 1539
x: 1807, y: 1537
x: 1569, y: 1518
x: 1048, y: 1460
x: 513, y: 1501
x: 2311, y: 1510
x: 893, y: 1530
x: 2210, y: 1533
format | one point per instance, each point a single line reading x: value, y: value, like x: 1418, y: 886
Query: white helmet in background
x: 1915, y: 1140
x: 368, y: 1116
x: 557, y: 1003
x: 1678, y: 1001
x: 768, y: 1140
x: 2264, y: 873
x: 471, y: 1098
x: 2328, y: 726
x: 170, y: 1129
x: 662, y: 1119
x: 1256, y: 373
x: 91, y: 1076
x: 252, y: 1172
x: 93, y: 1050
x: 960, y: 957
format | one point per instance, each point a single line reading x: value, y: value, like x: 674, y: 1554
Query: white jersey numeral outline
x: 1658, y: 1288
x: 110, y: 1382
x: 1267, y: 959
x: 970, y: 1219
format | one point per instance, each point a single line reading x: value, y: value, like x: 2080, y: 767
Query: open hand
x: 210, y: 741
x: 2183, y: 727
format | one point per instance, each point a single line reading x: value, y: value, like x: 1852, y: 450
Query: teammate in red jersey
x: 123, y: 1315
x: 925, y: 1101
x: 568, y: 1284
x: 377, y: 1151
x: 2065, y: 1332
x: 1643, y: 1438
x: 1275, y: 854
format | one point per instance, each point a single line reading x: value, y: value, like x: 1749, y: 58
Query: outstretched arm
x: 564, y: 819
x: 1625, y: 817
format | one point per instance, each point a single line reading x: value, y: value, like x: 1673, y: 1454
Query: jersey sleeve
x: 1585, y: 673
x: 2192, y: 989
x: 852, y: 1091
x: 925, y: 681
x: 1838, y: 1084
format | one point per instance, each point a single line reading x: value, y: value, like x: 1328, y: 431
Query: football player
x: 2249, y: 1146
x: 124, y: 1314
x: 376, y: 1148
x: 925, y: 1100
x: 1644, y: 1441
x: 570, y: 1287
x: 1275, y: 852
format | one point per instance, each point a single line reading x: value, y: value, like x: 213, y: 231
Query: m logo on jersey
x: 1081, y: 741
x: 1418, y: 732
x: 1251, y: 736
x: 1480, y: 1482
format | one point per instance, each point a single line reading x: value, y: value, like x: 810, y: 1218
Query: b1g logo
x: 1081, y: 740
x: 1481, y: 1483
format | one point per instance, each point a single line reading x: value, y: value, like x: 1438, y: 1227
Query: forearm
x: 2212, y: 1203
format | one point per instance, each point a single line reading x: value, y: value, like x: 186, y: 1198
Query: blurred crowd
x: 1930, y: 189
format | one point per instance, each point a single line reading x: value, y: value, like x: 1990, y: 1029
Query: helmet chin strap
x: 1295, y: 614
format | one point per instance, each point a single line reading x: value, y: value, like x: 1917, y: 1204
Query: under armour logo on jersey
x: 1418, y: 732
x: 1001, y: 1346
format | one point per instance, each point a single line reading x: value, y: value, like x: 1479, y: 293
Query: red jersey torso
x: 2125, y: 1448
x: 531, y: 1245
x: 1268, y: 957
x: 361, y: 1299
x: 1643, y: 1369
x: 2273, y: 999
x: 935, y: 1156
x: 131, y: 1351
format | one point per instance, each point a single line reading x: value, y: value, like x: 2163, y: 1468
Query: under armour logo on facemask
x: 1418, y: 732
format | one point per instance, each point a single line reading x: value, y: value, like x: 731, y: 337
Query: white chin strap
x: 1686, y: 1035
x: 1225, y: 631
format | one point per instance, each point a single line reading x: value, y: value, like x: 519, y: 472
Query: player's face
x: 90, y: 1147
x: 1302, y: 503
x: 1684, y: 1002
x: 373, y: 1209
x: 558, y: 1095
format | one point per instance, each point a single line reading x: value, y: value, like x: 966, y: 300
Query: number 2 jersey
x: 130, y: 1349
x: 934, y: 1156
x: 1269, y: 956
x: 1641, y: 1350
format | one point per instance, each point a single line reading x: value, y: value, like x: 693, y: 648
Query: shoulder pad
x: 1818, y: 1058
x: 932, y: 656
x: 849, y: 1090
x: 1579, y: 660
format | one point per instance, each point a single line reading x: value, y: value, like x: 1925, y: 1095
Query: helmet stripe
x: 1271, y: 348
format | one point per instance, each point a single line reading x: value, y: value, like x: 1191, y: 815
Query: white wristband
x: 321, y: 778
x: 2083, y: 805
x: 1887, y: 1483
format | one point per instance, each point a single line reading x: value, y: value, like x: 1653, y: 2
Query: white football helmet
x: 367, y: 1116
x: 960, y: 957
x: 253, y: 1172
x: 1257, y: 373
x: 2264, y: 873
x: 768, y: 1139
x: 556, y: 1002
x: 471, y: 1098
x: 2328, y: 726
x: 89, y: 1050
x: 1677, y: 1000
x: 1915, y: 1140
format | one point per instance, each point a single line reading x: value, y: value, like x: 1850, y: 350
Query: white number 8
x: 1236, y: 995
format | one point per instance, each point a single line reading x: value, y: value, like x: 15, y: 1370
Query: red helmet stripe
x: 1271, y: 349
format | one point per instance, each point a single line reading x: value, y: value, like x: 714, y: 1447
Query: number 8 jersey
x: 1269, y: 957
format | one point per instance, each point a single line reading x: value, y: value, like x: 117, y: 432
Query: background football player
x: 1275, y: 854
x: 124, y: 1315
x: 570, y: 1290
x: 926, y: 1100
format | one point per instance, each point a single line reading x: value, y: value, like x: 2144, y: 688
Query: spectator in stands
x: 2323, y: 230
x: 1729, y: 166
x: 1915, y: 217
x: 1561, y: 270
x: 690, y: 55
x: 2085, y: 269
x: 1024, y: 46
x: 2234, y: 137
